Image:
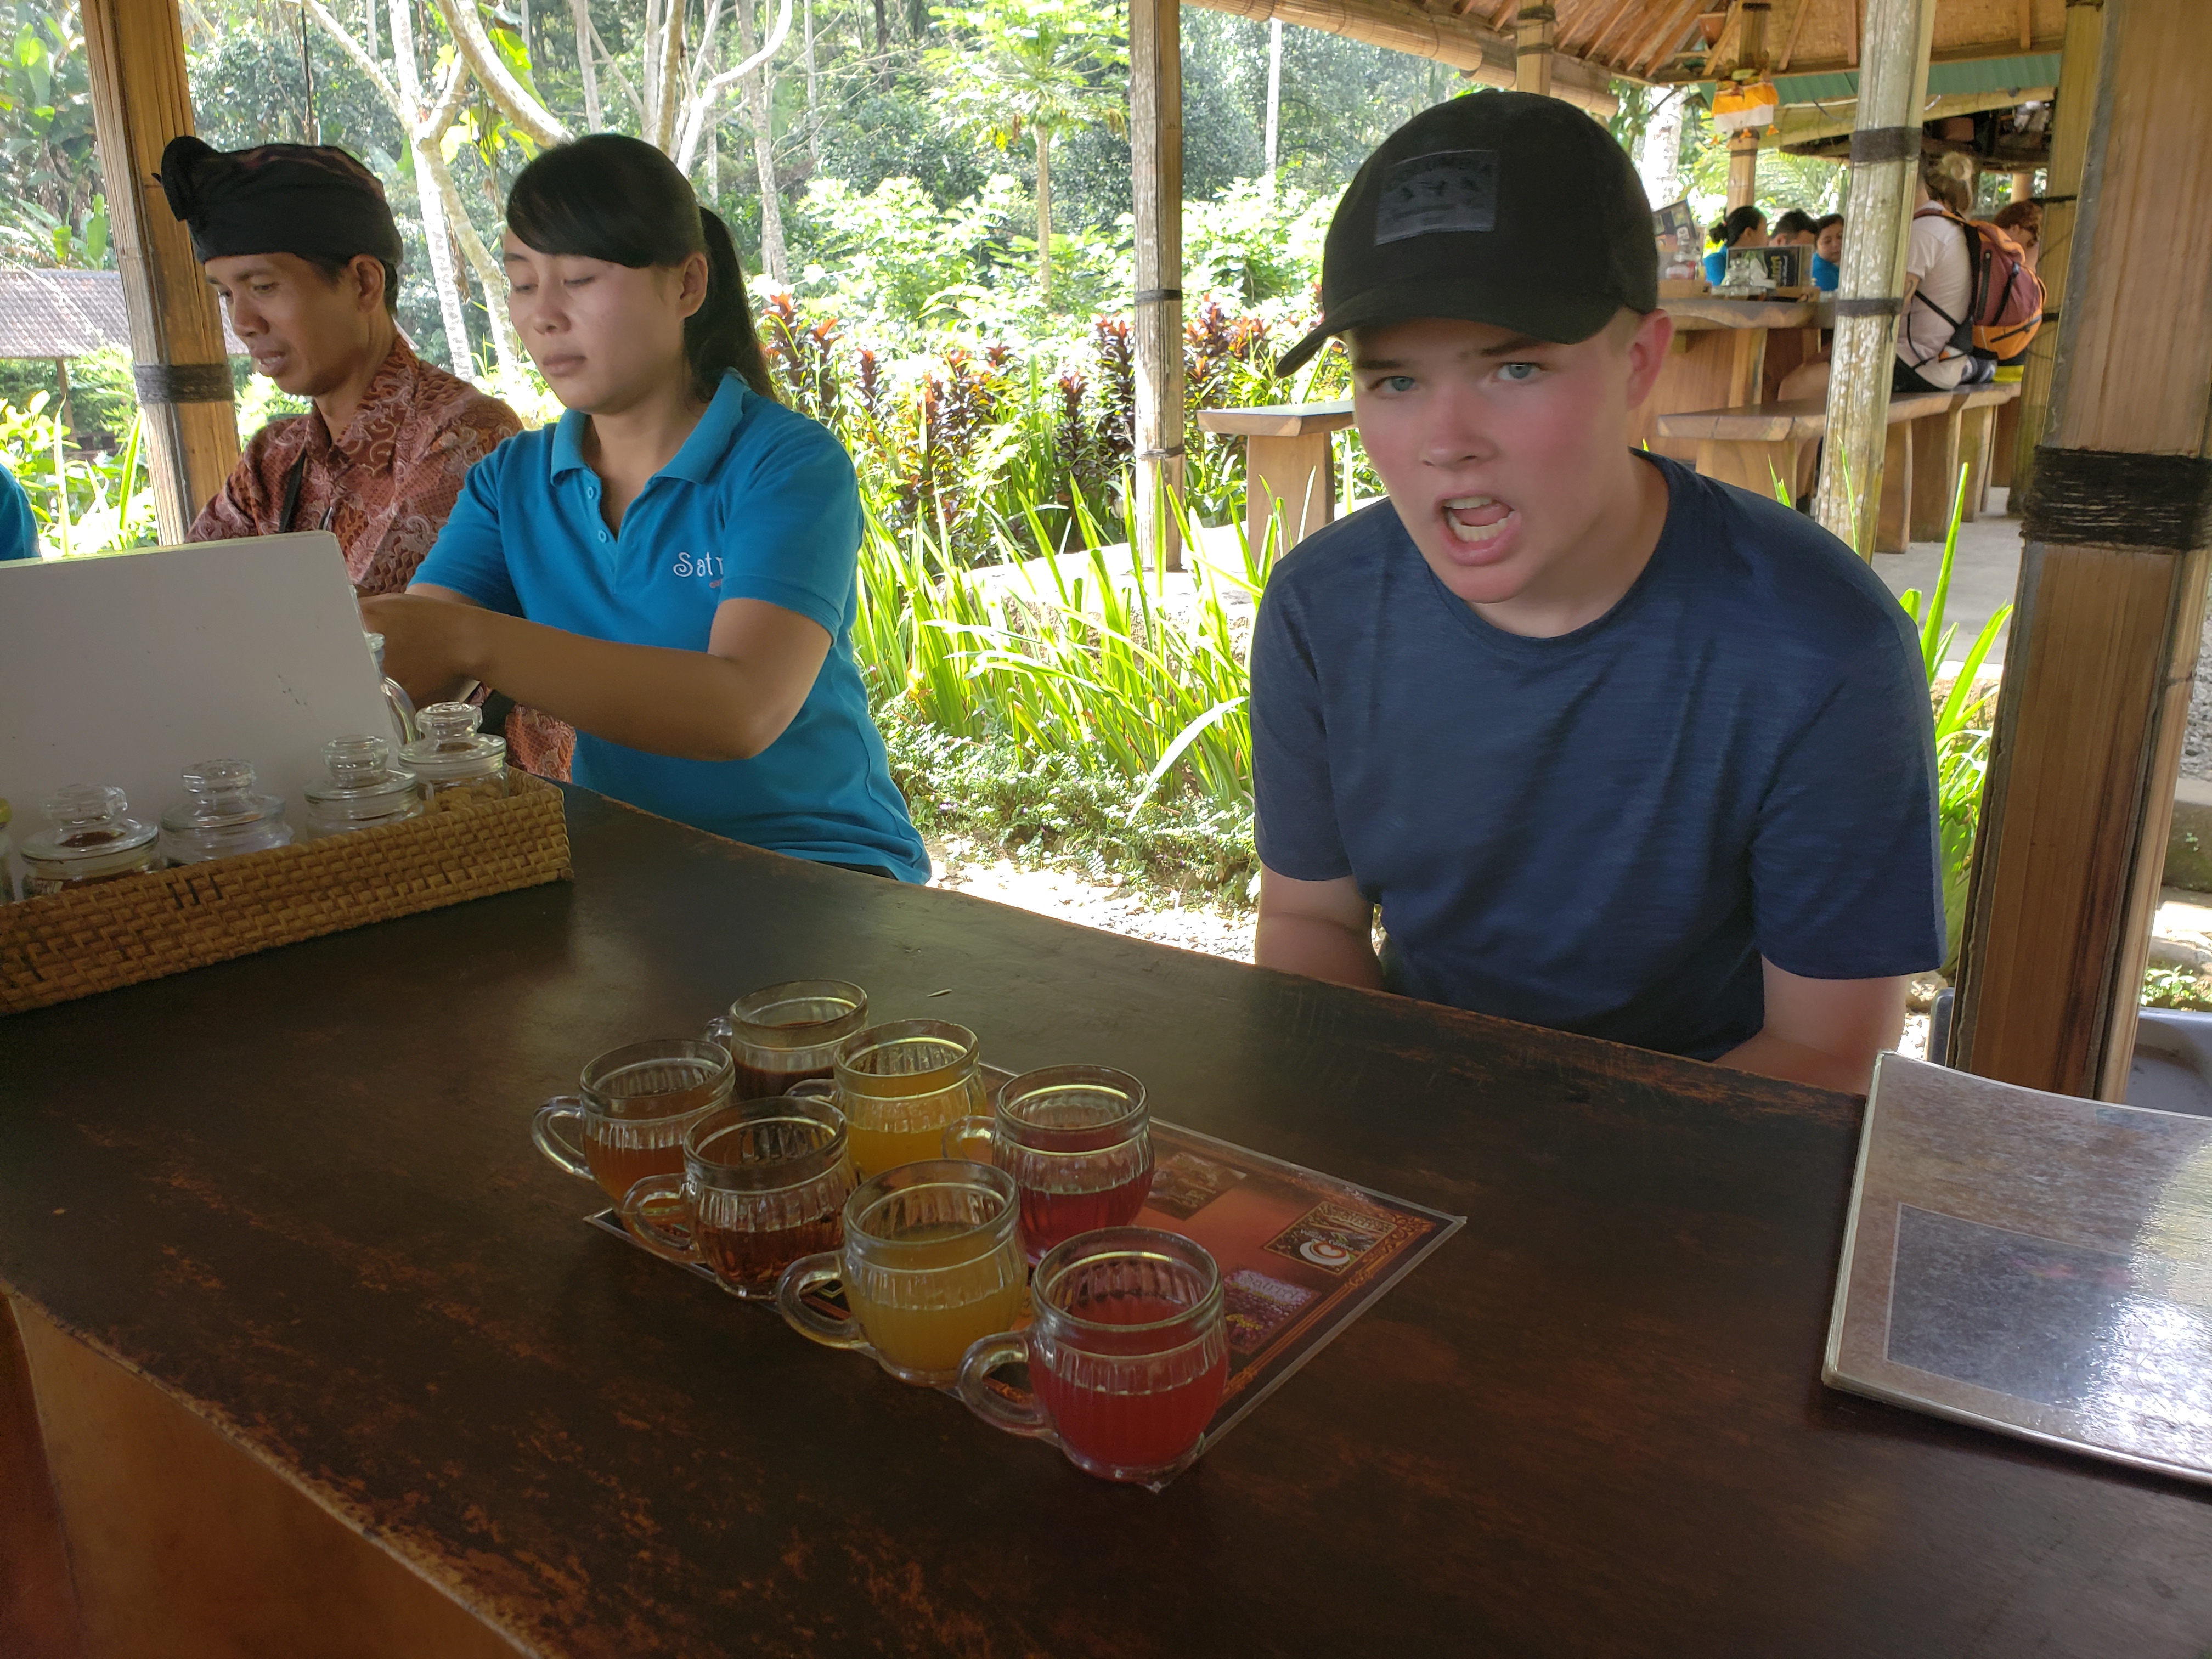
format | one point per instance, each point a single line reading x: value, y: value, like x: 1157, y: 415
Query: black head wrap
x: 314, y: 200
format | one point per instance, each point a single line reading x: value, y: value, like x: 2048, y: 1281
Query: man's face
x: 1496, y: 449
x: 602, y: 334
x: 306, y: 332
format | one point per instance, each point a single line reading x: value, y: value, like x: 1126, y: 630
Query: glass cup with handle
x: 628, y: 1119
x: 1127, y: 1355
x: 899, y: 1086
x: 1077, y: 1140
x: 764, y: 1182
x: 932, y: 1260
x: 785, y: 1034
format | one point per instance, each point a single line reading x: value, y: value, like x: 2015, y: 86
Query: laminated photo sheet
x: 2032, y: 1263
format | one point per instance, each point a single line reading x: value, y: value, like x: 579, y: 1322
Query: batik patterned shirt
x: 383, y: 486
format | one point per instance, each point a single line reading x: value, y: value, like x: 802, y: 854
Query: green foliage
x: 1962, y: 723
x: 47, y: 153
x: 84, y: 503
x: 1014, y: 68
x: 1252, y: 243
x: 2176, y: 987
x: 896, y: 258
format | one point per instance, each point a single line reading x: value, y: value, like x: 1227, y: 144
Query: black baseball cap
x: 1497, y: 207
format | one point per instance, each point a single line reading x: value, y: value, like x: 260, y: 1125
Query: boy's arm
x: 1822, y: 1031
x: 1322, y: 929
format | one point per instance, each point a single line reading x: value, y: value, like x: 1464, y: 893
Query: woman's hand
x: 431, y: 646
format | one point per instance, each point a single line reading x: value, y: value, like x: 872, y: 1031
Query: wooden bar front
x: 290, y: 1202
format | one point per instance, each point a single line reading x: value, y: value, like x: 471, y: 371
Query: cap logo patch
x: 1450, y: 191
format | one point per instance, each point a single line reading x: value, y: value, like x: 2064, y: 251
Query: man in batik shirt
x: 299, y: 243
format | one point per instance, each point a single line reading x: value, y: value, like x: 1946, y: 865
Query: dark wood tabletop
x: 297, y: 1190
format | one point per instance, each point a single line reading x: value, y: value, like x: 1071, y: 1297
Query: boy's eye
x: 1395, y: 383
x: 1519, y: 373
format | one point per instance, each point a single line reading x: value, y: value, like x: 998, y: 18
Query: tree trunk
x: 1274, y: 96
x: 587, y: 64
x: 882, y: 47
x: 1044, y: 212
x: 429, y: 164
x: 760, y: 104
x: 813, y: 96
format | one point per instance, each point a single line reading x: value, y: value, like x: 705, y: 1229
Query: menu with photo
x: 1301, y: 1255
x: 2032, y: 1263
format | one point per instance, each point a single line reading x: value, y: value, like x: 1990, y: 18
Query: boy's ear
x: 1650, y: 334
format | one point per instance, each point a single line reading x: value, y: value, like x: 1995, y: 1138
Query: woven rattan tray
x: 64, y: 945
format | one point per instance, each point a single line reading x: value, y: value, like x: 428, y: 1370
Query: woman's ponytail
x: 720, y: 336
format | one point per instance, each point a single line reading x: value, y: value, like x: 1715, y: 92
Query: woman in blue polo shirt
x: 672, y: 568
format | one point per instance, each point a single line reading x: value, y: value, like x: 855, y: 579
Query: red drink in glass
x: 1099, y: 1425
x: 1050, y: 1218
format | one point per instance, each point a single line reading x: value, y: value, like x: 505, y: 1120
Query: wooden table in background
x: 328, y: 1364
x: 1727, y: 353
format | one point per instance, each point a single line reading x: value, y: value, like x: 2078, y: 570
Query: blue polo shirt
x: 19, y: 530
x: 760, y: 503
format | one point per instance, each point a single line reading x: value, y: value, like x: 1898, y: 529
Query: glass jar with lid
x: 455, y: 761
x: 363, y: 791
x: 221, y: 817
x: 90, y: 836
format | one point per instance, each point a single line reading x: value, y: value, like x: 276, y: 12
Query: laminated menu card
x: 2032, y: 1263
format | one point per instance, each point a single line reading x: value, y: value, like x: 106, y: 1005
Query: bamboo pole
x: 1743, y: 169
x: 2110, y: 601
x: 1155, y: 163
x: 1884, y: 162
x: 2078, y: 65
x: 1532, y: 49
x: 140, y: 101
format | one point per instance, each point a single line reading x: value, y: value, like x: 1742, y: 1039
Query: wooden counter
x: 279, y: 1239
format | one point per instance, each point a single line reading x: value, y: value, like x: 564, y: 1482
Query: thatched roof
x: 68, y: 314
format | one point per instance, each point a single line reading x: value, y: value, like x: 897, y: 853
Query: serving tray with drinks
x: 890, y: 1193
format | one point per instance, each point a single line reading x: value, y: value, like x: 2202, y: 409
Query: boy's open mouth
x: 1475, y: 519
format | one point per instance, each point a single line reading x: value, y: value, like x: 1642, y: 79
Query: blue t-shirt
x: 19, y: 530
x: 1825, y: 273
x: 760, y: 503
x: 1716, y: 266
x: 1604, y: 832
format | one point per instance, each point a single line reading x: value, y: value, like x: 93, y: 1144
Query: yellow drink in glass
x: 875, y: 1149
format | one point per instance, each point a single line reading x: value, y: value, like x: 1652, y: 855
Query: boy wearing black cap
x: 300, y: 242
x: 1616, y: 749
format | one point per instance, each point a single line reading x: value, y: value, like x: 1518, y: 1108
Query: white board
x: 126, y: 670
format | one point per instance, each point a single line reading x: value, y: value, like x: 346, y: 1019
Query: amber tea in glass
x: 764, y: 1182
x: 627, y: 1120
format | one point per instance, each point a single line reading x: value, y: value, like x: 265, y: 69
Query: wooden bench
x: 1759, y: 443
x: 1928, y: 434
x: 1287, y: 464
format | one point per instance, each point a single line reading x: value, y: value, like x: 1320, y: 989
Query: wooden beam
x: 2079, y: 65
x: 2111, y: 604
x: 1622, y: 13
x: 1789, y: 42
x: 1743, y: 169
x: 1463, y: 42
x: 1531, y: 48
x: 1675, y: 20
x: 1156, y: 160
x: 1851, y: 35
x: 135, y: 50
x: 2027, y: 24
x: 1892, y: 92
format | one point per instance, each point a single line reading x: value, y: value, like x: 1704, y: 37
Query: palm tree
x: 1032, y: 67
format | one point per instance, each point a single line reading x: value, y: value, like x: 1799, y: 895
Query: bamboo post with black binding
x: 2111, y: 602
x: 1155, y: 164
x: 1885, y: 163
x: 141, y: 101
x: 2069, y: 140
x: 1532, y: 49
